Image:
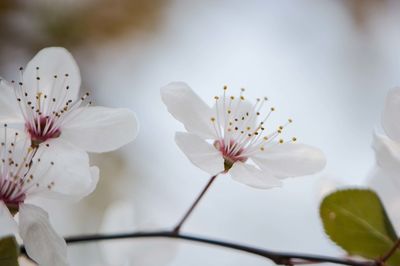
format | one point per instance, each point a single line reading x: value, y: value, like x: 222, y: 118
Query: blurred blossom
x: 385, y: 177
x: 387, y: 147
x: 383, y: 182
x: 120, y: 217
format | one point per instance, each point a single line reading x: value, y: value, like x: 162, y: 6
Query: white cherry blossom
x: 384, y: 178
x: 47, y: 103
x: 233, y: 137
x: 387, y: 147
x: 26, y: 173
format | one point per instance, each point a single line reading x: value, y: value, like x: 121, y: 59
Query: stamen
x: 47, y: 113
x: 238, y: 137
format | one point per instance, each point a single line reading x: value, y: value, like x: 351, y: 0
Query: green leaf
x: 9, y: 251
x: 356, y: 220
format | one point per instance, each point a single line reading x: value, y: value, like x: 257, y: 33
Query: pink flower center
x: 230, y: 153
x: 41, y: 130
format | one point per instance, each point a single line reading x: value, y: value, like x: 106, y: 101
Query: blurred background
x: 326, y: 64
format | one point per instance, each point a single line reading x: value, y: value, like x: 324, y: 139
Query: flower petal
x: 101, y: 129
x: 387, y: 153
x: 187, y: 107
x: 249, y: 175
x: 290, y: 160
x: 8, y: 226
x: 95, y: 175
x: 200, y: 153
x: 390, y: 121
x: 52, y: 61
x: 71, y: 173
x: 41, y: 242
x: 9, y: 108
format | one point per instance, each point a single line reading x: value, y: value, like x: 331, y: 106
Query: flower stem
x: 280, y: 258
x: 391, y: 251
x: 191, y: 209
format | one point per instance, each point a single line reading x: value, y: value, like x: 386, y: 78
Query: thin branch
x: 280, y: 258
x: 191, y: 209
x: 391, y: 251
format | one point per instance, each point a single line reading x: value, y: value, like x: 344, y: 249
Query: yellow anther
x: 279, y: 131
x: 241, y: 98
x: 212, y: 119
x: 294, y: 139
x: 290, y: 120
x: 272, y: 109
x: 248, y: 128
x: 216, y: 97
x: 265, y: 138
x: 280, y: 127
x: 225, y: 88
x: 232, y: 97
x: 229, y: 111
x: 281, y: 141
x: 262, y: 148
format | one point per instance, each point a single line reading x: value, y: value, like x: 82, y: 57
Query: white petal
x: 71, y: 173
x: 8, y: 226
x: 42, y: 243
x: 200, y: 152
x: 290, y: 160
x: 52, y: 61
x: 249, y: 175
x: 387, y: 152
x: 391, y: 114
x: 9, y: 108
x: 95, y: 175
x: 101, y: 129
x: 187, y: 107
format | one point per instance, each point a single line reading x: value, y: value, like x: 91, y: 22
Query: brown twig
x: 280, y: 258
x: 390, y: 253
x: 191, y: 209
